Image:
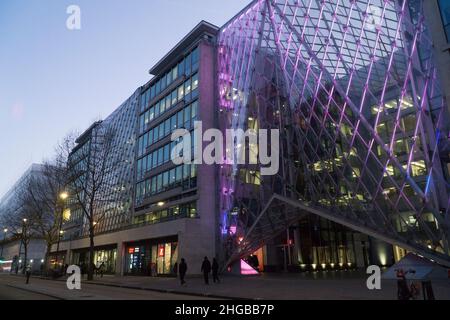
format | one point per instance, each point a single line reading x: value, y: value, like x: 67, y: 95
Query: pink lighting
x: 247, y: 270
x: 346, y: 82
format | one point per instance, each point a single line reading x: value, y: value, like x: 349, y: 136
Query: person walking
x: 182, y: 268
x: 215, y: 271
x: 101, y: 269
x: 28, y: 273
x: 206, y: 269
x: 403, y: 292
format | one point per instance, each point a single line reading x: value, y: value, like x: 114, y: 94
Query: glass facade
x: 184, y: 68
x: 152, y: 257
x: 117, y: 190
x: 444, y: 7
x: 361, y: 112
x: 169, y: 103
x: 185, y: 210
x: 106, y: 255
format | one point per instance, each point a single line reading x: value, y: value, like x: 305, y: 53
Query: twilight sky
x: 53, y: 80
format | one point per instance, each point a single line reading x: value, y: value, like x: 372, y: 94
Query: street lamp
x: 62, y: 196
x: 3, y: 242
x: 23, y: 242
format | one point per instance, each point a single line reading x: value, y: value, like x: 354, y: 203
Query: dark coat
x: 215, y: 266
x: 182, y: 268
x: 206, y: 266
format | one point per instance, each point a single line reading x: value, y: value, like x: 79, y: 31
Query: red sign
x: 161, y: 250
x: 130, y: 250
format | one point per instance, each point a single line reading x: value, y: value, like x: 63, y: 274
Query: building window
x: 444, y: 7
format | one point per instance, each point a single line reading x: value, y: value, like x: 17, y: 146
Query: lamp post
x: 24, y: 235
x: 62, y: 196
x: 3, y: 242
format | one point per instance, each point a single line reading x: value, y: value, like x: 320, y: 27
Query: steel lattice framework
x: 352, y: 87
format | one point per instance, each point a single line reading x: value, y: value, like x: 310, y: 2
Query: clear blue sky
x: 53, y: 80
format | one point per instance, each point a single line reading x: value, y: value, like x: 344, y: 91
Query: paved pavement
x: 324, y: 286
x: 14, y: 288
x: 346, y: 285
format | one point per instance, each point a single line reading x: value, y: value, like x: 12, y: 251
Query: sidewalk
x: 322, y: 286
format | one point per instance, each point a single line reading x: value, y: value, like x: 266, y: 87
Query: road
x: 14, y: 288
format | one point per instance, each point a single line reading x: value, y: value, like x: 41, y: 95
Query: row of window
x: 178, y: 211
x: 406, y: 123
x: 417, y: 168
x: 394, y: 104
x: 159, y: 157
x: 250, y: 176
x: 187, y: 66
x: 165, y: 180
x: 186, y: 91
x: 183, y: 119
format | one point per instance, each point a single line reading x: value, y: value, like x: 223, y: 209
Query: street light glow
x: 5, y: 230
x: 63, y: 195
x: 25, y: 220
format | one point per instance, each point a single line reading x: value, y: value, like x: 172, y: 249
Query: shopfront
x: 106, y: 255
x: 152, y: 257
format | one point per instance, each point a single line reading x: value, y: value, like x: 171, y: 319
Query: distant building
x: 362, y: 108
x: 12, y: 250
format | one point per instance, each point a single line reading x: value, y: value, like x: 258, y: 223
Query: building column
x: 120, y: 261
x: 297, y: 251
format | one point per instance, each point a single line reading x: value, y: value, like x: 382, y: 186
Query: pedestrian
x: 403, y: 292
x: 175, y: 268
x: 101, y: 269
x: 149, y: 269
x: 28, y: 273
x: 206, y: 269
x: 83, y: 269
x: 182, y: 268
x: 215, y: 271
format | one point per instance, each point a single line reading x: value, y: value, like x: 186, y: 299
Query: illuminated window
x: 346, y: 130
x: 356, y: 172
x: 418, y: 168
x: 66, y: 214
x: 407, y: 102
x: 389, y: 171
x: 400, y: 147
x: 195, y: 82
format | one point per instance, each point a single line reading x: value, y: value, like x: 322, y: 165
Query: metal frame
x: 315, y: 70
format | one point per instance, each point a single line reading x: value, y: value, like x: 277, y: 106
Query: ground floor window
x: 152, y: 257
x: 107, y: 256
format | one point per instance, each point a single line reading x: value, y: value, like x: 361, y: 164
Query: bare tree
x: 93, y: 178
x: 45, y: 196
x: 17, y: 217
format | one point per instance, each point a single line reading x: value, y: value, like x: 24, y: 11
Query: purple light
x: 246, y: 269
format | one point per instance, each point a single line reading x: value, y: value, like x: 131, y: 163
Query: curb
x: 35, y: 292
x: 195, y: 294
